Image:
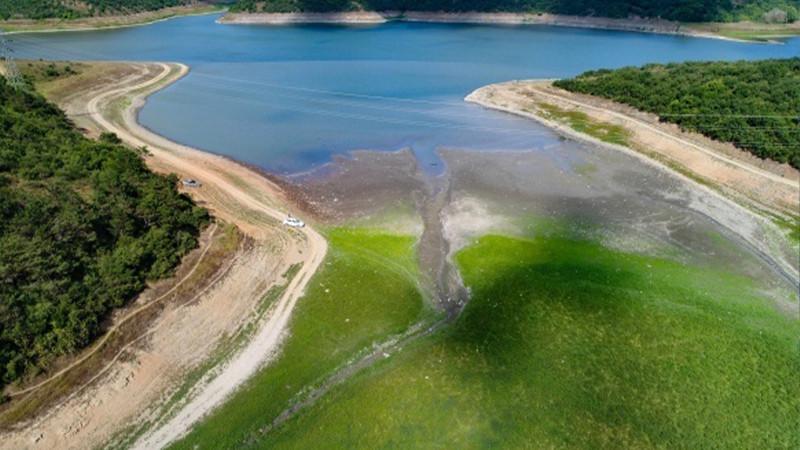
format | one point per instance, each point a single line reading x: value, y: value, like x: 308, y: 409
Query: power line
x: 329, y: 92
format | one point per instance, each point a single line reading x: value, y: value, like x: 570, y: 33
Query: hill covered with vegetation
x: 61, y: 9
x: 680, y: 10
x: 83, y: 224
x: 752, y: 104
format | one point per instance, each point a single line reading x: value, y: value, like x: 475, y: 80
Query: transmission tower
x: 13, y: 77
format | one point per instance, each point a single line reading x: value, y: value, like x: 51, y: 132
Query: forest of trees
x: 679, y: 10
x: 753, y: 104
x: 83, y: 224
x: 60, y: 9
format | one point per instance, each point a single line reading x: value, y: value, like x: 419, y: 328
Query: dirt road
x: 216, y: 171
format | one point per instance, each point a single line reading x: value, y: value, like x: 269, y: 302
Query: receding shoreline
x: 645, y: 25
x: 634, y: 24
x: 747, y: 188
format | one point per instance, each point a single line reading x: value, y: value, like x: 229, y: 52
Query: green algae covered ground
x: 568, y: 344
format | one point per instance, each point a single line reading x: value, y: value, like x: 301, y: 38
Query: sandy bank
x: 766, y: 184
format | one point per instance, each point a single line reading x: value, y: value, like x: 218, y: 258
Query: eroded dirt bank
x: 632, y: 24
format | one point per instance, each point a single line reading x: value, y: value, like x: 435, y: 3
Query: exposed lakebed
x: 595, y: 238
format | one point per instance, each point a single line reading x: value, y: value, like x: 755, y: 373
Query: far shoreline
x: 735, y: 31
x: 739, y: 32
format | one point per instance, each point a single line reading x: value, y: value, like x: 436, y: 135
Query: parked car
x: 293, y: 222
x: 192, y: 183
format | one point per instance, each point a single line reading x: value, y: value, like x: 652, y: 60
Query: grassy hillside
x: 61, y: 9
x: 567, y: 344
x: 752, y: 104
x: 778, y: 11
x: 83, y: 224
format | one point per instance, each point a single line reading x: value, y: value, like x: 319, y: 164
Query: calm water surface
x: 287, y: 98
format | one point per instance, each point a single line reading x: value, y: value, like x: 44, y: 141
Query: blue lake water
x: 286, y: 98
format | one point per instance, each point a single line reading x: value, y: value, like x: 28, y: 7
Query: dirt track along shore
x: 215, y: 171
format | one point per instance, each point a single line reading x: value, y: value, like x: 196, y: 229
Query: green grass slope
x: 566, y: 344
x: 752, y: 104
x: 365, y: 291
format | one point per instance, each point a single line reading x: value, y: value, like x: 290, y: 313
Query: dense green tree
x: 83, y: 224
x: 753, y: 104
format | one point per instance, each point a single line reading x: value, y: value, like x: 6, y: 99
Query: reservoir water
x: 286, y: 98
